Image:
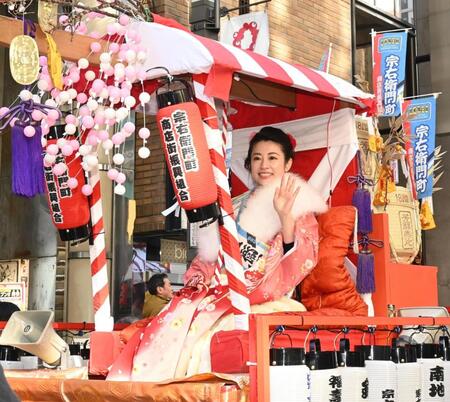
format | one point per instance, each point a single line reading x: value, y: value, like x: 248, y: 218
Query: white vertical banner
x: 247, y: 32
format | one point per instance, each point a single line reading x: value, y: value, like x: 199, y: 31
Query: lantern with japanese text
x: 186, y: 150
x: 69, y: 207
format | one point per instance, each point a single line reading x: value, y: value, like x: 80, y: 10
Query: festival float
x: 208, y: 98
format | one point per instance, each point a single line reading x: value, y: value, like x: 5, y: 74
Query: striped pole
x: 228, y: 232
x: 220, y: 257
x: 97, y: 253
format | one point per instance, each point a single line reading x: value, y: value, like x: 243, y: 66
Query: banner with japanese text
x: 247, y: 32
x: 419, y: 124
x: 389, y: 61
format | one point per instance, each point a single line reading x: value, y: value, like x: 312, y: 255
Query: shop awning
x: 172, y: 46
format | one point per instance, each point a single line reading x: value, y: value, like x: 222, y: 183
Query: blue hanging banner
x: 388, y: 76
x: 419, y: 124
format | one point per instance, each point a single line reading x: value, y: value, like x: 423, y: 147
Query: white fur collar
x: 260, y: 218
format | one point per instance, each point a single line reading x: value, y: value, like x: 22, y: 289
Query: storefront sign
x: 14, y: 292
x: 389, y: 56
x: 419, y: 124
x: 173, y: 251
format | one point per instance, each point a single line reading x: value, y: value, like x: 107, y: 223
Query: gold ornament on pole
x: 24, y: 59
x: 47, y: 16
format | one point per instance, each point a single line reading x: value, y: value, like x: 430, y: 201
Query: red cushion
x: 329, y: 285
x: 229, y: 351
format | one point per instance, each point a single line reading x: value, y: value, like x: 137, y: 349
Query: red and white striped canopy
x: 170, y: 45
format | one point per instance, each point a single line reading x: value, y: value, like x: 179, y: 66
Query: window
x: 407, y: 10
x: 402, y: 9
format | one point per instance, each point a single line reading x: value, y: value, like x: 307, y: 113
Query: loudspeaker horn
x: 33, y: 332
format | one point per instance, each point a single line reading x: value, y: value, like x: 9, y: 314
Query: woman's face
x: 267, y: 162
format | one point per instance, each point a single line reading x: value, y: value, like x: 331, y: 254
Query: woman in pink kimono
x: 278, y: 238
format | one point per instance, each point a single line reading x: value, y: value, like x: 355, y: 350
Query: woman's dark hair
x: 270, y: 134
x: 157, y: 280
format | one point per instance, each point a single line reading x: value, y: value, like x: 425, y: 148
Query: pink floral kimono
x: 163, y: 350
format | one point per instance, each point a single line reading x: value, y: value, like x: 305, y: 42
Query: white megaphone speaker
x: 32, y: 331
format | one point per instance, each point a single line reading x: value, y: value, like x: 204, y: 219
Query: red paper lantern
x: 69, y: 208
x: 186, y: 150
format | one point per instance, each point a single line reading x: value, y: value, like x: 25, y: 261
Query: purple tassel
x: 362, y: 201
x: 365, y: 278
x: 27, y: 163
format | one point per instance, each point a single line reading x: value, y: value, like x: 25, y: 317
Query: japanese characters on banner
x: 181, y: 153
x: 419, y: 123
x: 57, y: 189
x: 187, y: 156
x: 247, y: 32
x: 389, y: 55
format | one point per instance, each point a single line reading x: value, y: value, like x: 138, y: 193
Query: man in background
x: 159, y: 293
x: 7, y: 309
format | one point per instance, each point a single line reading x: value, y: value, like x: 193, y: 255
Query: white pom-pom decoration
x: 86, y: 167
x: 50, y: 102
x: 118, y: 159
x: 64, y: 97
x: 91, y: 160
x: 110, y: 113
x: 49, y: 159
x: 25, y: 95
x: 130, y: 56
x: 72, y: 93
x: 70, y: 128
x: 130, y: 101
x: 43, y: 85
x: 89, y: 75
x: 107, y: 145
x: 61, y: 142
x: 84, y: 150
x: 119, y: 189
x: 105, y: 58
x: 144, y: 152
x: 121, y: 113
x: 83, y: 63
x: 144, y: 133
x: 141, y: 56
x: 92, y: 104
x: 144, y: 97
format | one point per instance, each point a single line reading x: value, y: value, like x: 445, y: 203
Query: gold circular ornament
x: 47, y: 15
x: 24, y: 59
